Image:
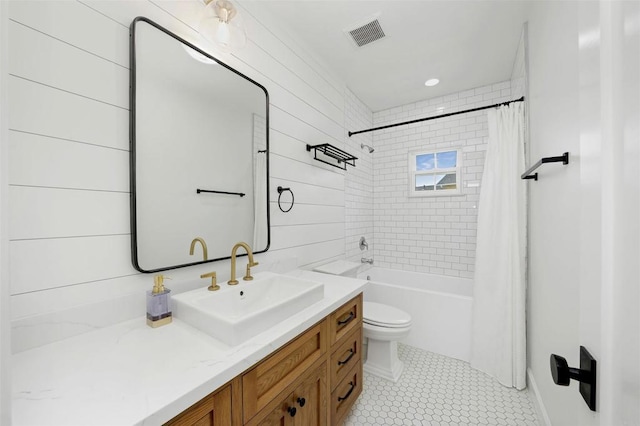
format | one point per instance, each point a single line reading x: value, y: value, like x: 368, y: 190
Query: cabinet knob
x: 302, y: 401
x: 291, y: 411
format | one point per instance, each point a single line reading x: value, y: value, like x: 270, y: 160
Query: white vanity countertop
x: 131, y: 374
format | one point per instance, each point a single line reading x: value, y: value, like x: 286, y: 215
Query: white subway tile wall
x: 430, y: 234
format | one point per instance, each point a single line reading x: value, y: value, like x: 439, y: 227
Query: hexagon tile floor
x: 438, y: 390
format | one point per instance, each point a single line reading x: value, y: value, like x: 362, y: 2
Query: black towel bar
x: 564, y: 158
x: 241, y: 194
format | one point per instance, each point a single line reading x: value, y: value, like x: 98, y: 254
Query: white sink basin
x: 234, y: 314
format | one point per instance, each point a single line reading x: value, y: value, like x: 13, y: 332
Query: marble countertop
x: 131, y: 374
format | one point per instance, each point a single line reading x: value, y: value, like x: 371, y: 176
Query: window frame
x: 436, y: 192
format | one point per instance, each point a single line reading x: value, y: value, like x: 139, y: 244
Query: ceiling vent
x: 367, y: 33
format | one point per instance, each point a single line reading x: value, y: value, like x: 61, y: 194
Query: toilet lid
x: 384, y: 315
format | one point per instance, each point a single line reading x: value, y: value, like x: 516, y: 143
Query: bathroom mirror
x: 199, y: 154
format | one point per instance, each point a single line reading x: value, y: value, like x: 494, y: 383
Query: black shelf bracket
x: 241, y: 194
x: 564, y: 159
x: 343, y: 158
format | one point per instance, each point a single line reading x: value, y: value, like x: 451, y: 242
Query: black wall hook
x: 280, y: 191
x: 586, y: 375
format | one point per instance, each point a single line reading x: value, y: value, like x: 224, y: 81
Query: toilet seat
x: 383, y: 325
x: 379, y: 315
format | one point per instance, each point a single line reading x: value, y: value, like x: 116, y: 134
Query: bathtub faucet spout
x: 365, y: 260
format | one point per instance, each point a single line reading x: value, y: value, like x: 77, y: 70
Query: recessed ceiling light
x: 431, y: 82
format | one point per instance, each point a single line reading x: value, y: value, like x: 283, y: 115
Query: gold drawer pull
x: 348, y: 319
x: 348, y: 358
x: 342, y: 398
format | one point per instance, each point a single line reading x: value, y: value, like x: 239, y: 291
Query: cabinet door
x: 280, y: 416
x: 310, y: 399
x: 269, y: 378
x: 214, y: 410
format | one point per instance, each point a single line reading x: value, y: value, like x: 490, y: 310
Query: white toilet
x: 383, y: 326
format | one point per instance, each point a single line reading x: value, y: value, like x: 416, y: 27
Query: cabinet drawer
x: 270, y: 377
x: 345, y: 394
x: 345, y: 356
x: 345, y: 319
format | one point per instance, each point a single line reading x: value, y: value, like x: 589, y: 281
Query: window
x: 435, y: 173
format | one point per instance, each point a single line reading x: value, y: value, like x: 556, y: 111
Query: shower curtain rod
x: 434, y: 117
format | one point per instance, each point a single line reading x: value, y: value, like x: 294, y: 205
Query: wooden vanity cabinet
x: 311, y: 381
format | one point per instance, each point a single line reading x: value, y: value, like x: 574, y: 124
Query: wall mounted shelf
x: 564, y: 158
x: 342, y: 158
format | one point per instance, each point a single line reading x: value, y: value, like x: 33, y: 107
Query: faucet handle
x: 214, y: 285
x: 248, y: 276
x: 250, y: 265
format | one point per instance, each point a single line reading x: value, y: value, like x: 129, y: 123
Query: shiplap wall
x: 68, y: 148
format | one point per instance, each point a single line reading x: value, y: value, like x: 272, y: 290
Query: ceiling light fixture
x: 222, y: 25
x: 431, y: 82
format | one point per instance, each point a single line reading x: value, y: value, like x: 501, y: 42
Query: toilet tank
x: 339, y: 267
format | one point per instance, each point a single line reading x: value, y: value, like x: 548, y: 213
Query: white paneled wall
x: 359, y: 180
x: 68, y: 82
x: 430, y: 234
x: 5, y: 316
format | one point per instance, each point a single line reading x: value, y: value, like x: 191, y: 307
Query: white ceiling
x: 464, y: 43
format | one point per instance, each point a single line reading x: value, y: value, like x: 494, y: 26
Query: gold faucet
x: 214, y: 285
x: 251, y: 263
x: 204, y: 247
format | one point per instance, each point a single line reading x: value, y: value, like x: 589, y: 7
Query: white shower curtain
x: 498, y: 343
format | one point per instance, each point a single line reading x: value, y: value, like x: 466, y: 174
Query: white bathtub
x: 440, y: 307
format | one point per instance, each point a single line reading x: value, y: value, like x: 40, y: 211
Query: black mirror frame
x: 132, y: 143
